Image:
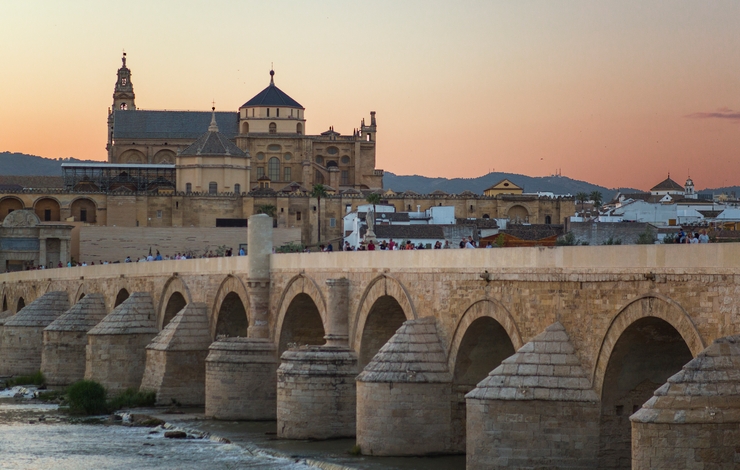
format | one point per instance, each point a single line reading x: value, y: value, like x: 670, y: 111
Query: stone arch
x: 9, y: 204
x: 305, y: 292
x: 518, y: 212
x: 164, y: 157
x: 21, y: 303
x: 48, y: 209
x: 5, y: 302
x: 648, y: 341
x: 245, y: 127
x: 121, y: 297
x: 84, y: 208
x: 175, y: 295
x: 381, y: 286
x: 132, y: 156
x: 649, y: 305
x: 485, y: 335
x: 230, y: 303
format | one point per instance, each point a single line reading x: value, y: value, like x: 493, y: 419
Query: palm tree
x: 267, y: 209
x: 596, y: 197
x: 582, y: 198
x: 373, y: 198
x: 319, y: 191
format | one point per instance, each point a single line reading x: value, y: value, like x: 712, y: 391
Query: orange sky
x: 618, y: 93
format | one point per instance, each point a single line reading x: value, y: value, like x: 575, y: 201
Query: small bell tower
x: 123, y: 95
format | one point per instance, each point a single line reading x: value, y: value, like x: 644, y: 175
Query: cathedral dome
x: 213, y: 143
x: 272, y: 96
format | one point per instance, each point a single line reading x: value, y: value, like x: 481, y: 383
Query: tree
x: 596, y: 197
x: 319, y: 191
x: 582, y: 198
x: 647, y: 237
x: 267, y: 209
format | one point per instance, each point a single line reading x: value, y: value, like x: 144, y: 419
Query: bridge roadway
x: 633, y: 314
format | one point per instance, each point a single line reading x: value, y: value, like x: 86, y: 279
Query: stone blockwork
x: 316, y: 393
x: 116, y: 351
x: 403, y: 395
x: 176, y: 358
x: 535, y: 410
x: 21, y: 344
x: 241, y: 379
x: 693, y: 421
x: 65, y: 341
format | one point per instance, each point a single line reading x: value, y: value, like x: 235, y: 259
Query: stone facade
x: 25, y: 242
x: 21, y: 344
x: 241, y: 377
x: 65, y: 341
x: 316, y: 393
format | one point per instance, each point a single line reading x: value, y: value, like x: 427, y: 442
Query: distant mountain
x: 555, y: 184
x: 28, y: 165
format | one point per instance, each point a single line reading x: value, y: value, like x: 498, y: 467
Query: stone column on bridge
x: 403, y: 395
x: 316, y: 396
x: 176, y: 358
x: 117, y: 345
x: 21, y: 344
x: 65, y: 341
x: 42, y: 252
x: 536, y: 410
x: 695, y: 416
x: 259, y: 246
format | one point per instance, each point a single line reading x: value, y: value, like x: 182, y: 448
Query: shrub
x: 37, y: 378
x: 87, y: 397
x: 646, y: 238
x: 612, y: 241
x: 131, y: 398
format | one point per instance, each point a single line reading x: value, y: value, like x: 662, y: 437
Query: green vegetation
x: 290, y: 247
x: 37, y: 378
x: 131, y: 398
x: 355, y: 450
x: 612, y: 241
x: 668, y: 239
x: 87, y: 397
x: 500, y: 240
x: 319, y: 191
x: 647, y: 237
x: 596, y: 197
x: 267, y: 209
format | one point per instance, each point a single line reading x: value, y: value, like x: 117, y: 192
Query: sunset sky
x: 618, y: 93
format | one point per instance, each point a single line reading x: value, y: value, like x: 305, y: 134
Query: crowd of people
x: 394, y: 246
x: 691, y: 237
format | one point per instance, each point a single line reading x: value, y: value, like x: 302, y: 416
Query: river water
x: 36, y: 436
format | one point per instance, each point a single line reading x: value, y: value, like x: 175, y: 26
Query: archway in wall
x: 245, y: 128
x: 5, y: 303
x: 121, y: 297
x: 84, y: 210
x: 47, y: 209
x: 518, y: 214
x: 232, y: 317
x: 8, y: 205
x: 646, y: 354
x: 132, y: 156
x: 164, y: 157
x: 302, y: 324
x: 176, y: 303
x: 82, y: 296
x: 21, y: 303
x: 385, y: 317
x: 483, y: 347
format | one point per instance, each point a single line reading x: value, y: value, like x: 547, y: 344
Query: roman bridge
x: 575, y: 339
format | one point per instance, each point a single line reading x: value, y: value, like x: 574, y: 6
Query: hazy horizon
x: 616, y: 93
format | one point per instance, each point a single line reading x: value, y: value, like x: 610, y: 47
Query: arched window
x: 299, y: 128
x: 273, y: 169
x: 212, y: 187
x: 124, y: 106
x: 237, y: 188
x: 548, y: 219
x: 188, y: 187
x: 245, y: 128
x: 273, y: 128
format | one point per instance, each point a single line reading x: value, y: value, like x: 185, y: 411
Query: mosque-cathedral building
x: 209, y: 169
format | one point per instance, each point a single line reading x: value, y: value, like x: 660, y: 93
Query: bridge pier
x: 176, y: 358
x: 22, y: 341
x: 403, y: 395
x: 65, y: 341
x: 116, y: 351
x: 316, y: 384
x: 536, y: 410
x: 695, y: 417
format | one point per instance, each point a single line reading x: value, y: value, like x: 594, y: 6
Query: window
x: 277, y: 112
x: 260, y: 156
x: 345, y: 177
x: 212, y: 187
x: 299, y: 128
x: 286, y: 174
x: 273, y: 128
x: 159, y: 214
x: 268, y: 112
x: 260, y: 172
x: 124, y: 106
x: 319, y: 159
x: 47, y: 215
x: 83, y: 215
x: 274, y: 148
x: 332, y: 150
x: 188, y: 187
x: 297, y: 216
x: 287, y: 157
x: 548, y: 220
x: 345, y: 160
x: 332, y: 222
x: 238, y: 188
x: 273, y: 169
x: 319, y: 178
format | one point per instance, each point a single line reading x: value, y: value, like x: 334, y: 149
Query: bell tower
x: 123, y: 95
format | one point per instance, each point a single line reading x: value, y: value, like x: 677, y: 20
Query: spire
x: 272, y: 75
x: 213, y: 127
x: 123, y: 59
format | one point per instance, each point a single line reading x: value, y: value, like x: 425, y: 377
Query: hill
x: 21, y: 164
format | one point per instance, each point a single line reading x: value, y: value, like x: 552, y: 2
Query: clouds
x: 721, y: 113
